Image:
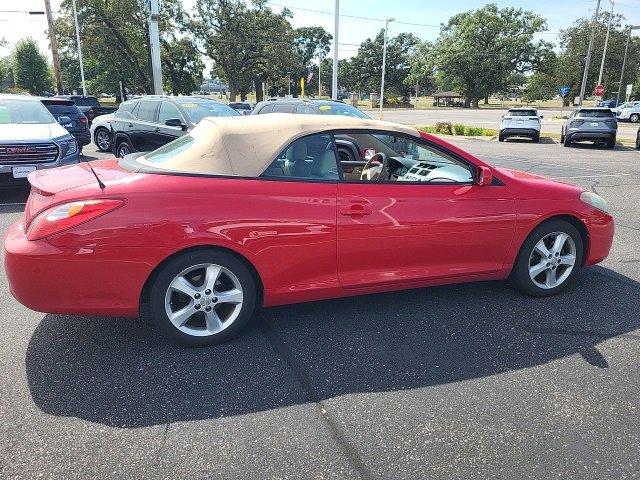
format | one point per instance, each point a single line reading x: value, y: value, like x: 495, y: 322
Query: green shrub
x: 458, y: 128
x: 474, y: 131
x: 444, y: 128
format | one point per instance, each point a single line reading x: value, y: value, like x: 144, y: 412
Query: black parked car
x: 78, y: 125
x: 89, y: 105
x: 152, y: 121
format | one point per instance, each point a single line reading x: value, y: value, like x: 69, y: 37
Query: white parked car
x: 521, y: 122
x: 101, y: 132
x: 628, y: 111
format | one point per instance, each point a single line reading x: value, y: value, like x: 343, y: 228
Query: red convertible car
x: 259, y: 211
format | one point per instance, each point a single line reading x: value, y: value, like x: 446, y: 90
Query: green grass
x: 458, y: 130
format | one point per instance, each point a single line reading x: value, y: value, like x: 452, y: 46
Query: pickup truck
x: 89, y: 106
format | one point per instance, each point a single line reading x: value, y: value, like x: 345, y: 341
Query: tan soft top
x: 246, y: 146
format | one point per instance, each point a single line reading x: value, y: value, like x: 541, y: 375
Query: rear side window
x: 127, y: 107
x: 265, y: 109
x: 594, y: 114
x: 147, y: 111
x: 309, y: 158
x: 304, y: 108
x: 284, y: 108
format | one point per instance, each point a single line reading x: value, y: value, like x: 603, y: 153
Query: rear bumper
x: 519, y: 132
x: 592, y: 136
x: 68, y: 280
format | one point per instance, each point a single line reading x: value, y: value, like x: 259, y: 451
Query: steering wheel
x: 371, y: 172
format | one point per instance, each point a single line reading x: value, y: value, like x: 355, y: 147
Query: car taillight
x: 63, y: 217
x: 576, y: 123
x: 84, y: 119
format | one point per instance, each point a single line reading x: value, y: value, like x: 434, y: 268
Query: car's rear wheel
x: 634, y: 118
x: 202, y: 297
x: 501, y: 138
x: 638, y: 140
x: 611, y: 143
x: 549, y: 259
x: 102, y: 139
x: 536, y: 138
x: 124, y: 149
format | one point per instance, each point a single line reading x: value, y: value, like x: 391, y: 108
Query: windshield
x: 594, y: 114
x: 240, y: 106
x: 24, y: 112
x: 61, y: 108
x: 330, y: 108
x: 196, y: 110
x: 522, y: 113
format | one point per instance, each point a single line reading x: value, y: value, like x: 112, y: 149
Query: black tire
x: 634, y: 118
x: 567, y: 141
x: 177, y: 265
x: 501, y: 138
x: 536, y: 139
x: 611, y: 143
x: 562, y: 138
x: 103, y: 148
x: 638, y: 140
x: 520, y: 273
x: 123, y: 148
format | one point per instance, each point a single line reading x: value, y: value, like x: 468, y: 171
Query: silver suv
x: 30, y: 139
x: 598, y: 125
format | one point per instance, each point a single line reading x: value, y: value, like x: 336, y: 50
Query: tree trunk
x: 467, y: 102
x: 243, y: 96
x: 259, y: 92
x: 486, y: 99
x: 474, y: 103
x: 232, y: 92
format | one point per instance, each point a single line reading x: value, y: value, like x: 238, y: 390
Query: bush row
x: 447, y: 128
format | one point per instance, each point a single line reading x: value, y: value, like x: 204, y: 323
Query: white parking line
x: 600, y: 176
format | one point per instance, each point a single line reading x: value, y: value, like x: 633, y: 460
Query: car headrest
x: 325, y: 165
x: 297, y: 151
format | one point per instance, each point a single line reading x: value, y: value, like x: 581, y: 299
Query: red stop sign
x: 599, y: 91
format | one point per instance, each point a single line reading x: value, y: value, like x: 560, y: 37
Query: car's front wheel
x: 202, y: 297
x: 102, y: 139
x: 638, y: 140
x: 549, y: 259
x: 566, y: 141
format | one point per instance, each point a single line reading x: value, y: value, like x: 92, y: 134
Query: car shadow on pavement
x: 122, y: 373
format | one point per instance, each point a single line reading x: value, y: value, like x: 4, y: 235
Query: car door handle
x: 355, y: 209
x: 157, y: 129
x: 129, y: 124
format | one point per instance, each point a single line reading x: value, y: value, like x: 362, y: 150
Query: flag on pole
x: 302, y: 86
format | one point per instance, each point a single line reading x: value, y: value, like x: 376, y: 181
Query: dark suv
x: 78, y: 125
x: 303, y: 105
x: 149, y: 122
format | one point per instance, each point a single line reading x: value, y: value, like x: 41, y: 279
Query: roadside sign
x: 629, y: 90
x: 564, y: 90
x: 599, y: 91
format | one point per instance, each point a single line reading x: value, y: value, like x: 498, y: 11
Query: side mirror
x: 175, y: 122
x: 485, y: 176
x: 64, y: 120
x: 541, y: 116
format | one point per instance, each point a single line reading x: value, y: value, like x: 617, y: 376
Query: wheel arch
x: 144, y: 294
x: 118, y: 138
x: 573, y: 220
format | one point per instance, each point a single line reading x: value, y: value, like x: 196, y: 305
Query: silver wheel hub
x: 552, y: 260
x: 203, y: 300
x: 103, y: 140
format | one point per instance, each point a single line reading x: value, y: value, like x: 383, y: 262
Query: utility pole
x: 154, y: 43
x: 624, y: 61
x: 319, y: 76
x: 384, y: 63
x: 606, y: 43
x: 54, y: 48
x: 334, y: 86
x: 75, y: 18
x: 585, y: 76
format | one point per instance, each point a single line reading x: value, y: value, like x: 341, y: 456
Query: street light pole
x: 585, y: 76
x: 624, y: 61
x: 606, y: 43
x: 75, y: 18
x: 336, y: 20
x: 54, y: 48
x: 319, y: 76
x: 154, y: 44
x: 384, y: 63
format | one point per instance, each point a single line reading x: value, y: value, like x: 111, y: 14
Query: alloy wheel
x: 123, y: 150
x: 103, y: 140
x: 552, y: 260
x: 203, y: 300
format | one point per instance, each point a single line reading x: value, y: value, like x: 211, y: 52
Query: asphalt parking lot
x: 467, y: 381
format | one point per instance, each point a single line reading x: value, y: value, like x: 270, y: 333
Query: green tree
x: 368, y: 63
x: 478, y: 50
x: 115, y: 42
x: 30, y: 68
x: 575, y: 41
x: 421, y: 76
x: 182, y: 66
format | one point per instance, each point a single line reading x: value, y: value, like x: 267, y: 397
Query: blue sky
x: 558, y: 13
